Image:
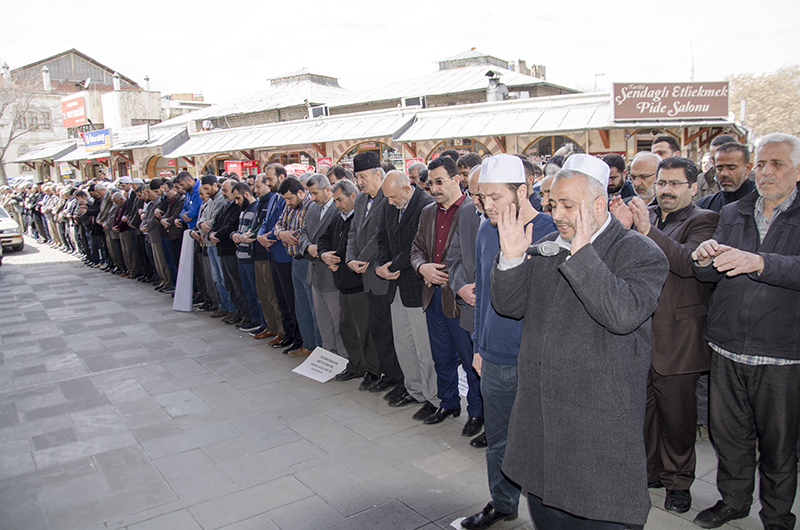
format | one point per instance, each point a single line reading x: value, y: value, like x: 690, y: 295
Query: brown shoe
x: 302, y: 351
x: 276, y: 340
x: 219, y: 313
x: 265, y: 334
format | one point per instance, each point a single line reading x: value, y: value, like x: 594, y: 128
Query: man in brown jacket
x: 679, y: 351
x: 450, y: 344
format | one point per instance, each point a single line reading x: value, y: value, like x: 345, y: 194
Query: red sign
x: 368, y: 145
x: 73, y: 110
x: 247, y: 164
x: 408, y: 162
x: 171, y: 163
x: 324, y: 161
x: 665, y: 101
x: 165, y: 174
x: 233, y: 166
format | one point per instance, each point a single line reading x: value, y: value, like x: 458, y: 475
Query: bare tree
x: 19, y: 96
x: 771, y: 100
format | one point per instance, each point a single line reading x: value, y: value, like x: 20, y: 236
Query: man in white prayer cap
x: 496, y: 339
x: 575, y: 440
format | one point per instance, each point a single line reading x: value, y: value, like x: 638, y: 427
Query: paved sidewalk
x: 117, y: 412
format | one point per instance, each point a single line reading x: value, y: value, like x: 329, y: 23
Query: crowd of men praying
x: 603, y: 309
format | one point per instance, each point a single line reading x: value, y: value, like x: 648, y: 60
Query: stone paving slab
x: 118, y: 413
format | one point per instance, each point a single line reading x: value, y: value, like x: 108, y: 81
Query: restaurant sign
x: 669, y: 101
x: 97, y: 140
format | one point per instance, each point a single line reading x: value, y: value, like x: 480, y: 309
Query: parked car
x: 10, y: 232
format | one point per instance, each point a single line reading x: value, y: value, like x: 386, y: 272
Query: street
x: 118, y: 412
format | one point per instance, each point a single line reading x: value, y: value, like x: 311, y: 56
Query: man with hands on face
x: 752, y: 328
x: 679, y: 352
x: 575, y: 439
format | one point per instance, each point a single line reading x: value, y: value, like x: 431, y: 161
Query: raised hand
x: 583, y: 229
x: 621, y: 211
x: 515, y: 238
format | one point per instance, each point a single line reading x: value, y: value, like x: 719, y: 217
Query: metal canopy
x: 47, y: 151
x: 359, y: 126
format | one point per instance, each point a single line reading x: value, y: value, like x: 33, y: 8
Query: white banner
x: 183, y: 288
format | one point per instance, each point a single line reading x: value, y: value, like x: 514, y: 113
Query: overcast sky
x: 229, y: 48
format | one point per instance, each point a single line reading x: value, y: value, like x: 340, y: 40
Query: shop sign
x: 64, y: 169
x: 97, y: 140
x: 165, y: 174
x: 171, y: 163
x: 233, y: 166
x: 408, y: 162
x: 137, y: 133
x: 73, y: 111
x: 248, y: 164
x: 669, y: 101
x: 324, y: 161
x: 368, y: 145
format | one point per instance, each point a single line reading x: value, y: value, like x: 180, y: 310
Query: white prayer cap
x: 588, y: 165
x: 502, y: 169
x: 137, y: 180
x: 125, y: 180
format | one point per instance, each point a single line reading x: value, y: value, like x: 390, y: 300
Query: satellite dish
x: 87, y: 82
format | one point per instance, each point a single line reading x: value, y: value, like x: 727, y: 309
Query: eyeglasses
x: 641, y: 177
x: 674, y: 184
x: 440, y: 182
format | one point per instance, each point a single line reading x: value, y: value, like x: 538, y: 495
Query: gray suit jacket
x: 461, y: 261
x: 319, y: 275
x: 362, y: 242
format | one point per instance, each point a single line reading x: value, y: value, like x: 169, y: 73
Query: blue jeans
x: 247, y: 274
x: 498, y: 389
x: 450, y: 344
x: 216, y: 274
x: 169, y: 257
x: 304, y: 305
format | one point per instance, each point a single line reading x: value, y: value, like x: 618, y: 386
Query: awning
x: 357, y: 126
x: 80, y: 154
x: 543, y: 115
x: 167, y: 139
x: 47, y: 151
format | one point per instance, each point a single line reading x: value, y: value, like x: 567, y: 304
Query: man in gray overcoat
x: 575, y: 441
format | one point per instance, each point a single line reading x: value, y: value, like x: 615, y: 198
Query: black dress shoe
x: 479, y: 441
x: 486, y: 518
x: 381, y: 385
x: 395, y: 393
x: 718, y: 515
x: 403, y: 400
x: 344, y: 375
x: 678, y: 501
x: 440, y: 415
x: 283, y: 343
x: 473, y: 426
x: 426, y: 410
x: 368, y: 381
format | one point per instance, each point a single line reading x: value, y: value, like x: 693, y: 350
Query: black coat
x: 227, y: 222
x: 394, y: 244
x: 334, y: 238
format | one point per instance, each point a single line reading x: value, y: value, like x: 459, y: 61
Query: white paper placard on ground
x: 321, y: 365
x: 183, y: 287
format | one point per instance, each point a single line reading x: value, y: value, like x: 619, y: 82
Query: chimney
x: 6, y: 74
x: 115, y: 77
x: 147, y: 83
x: 46, y: 78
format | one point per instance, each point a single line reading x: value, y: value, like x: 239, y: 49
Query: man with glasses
x: 679, y: 352
x: 450, y: 344
x: 643, y: 175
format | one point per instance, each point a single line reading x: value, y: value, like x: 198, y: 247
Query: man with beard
x: 244, y: 237
x: 707, y: 183
x: 575, y: 439
x: 665, y: 147
x: 643, y: 175
x: 496, y: 338
x: 544, y: 193
x: 618, y: 184
x: 732, y: 167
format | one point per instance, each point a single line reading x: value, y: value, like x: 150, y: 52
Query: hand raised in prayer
x: 641, y: 215
x: 583, y: 229
x: 621, y: 211
x: 515, y: 238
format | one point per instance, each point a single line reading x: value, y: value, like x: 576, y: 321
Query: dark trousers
x: 247, y: 274
x: 549, y: 518
x: 380, y: 325
x: 450, y: 344
x: 749, y: 405
x: 669, y: 429
x: 284, y: 292
x: 354, y: 329
x: 230, y: 273
x: 498, y: 389
x: 169, y: 257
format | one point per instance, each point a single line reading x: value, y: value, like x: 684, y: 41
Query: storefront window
x: 386, y: 152
x: 294, y: 157
x: 462, y: 145
x: 543, y: 148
